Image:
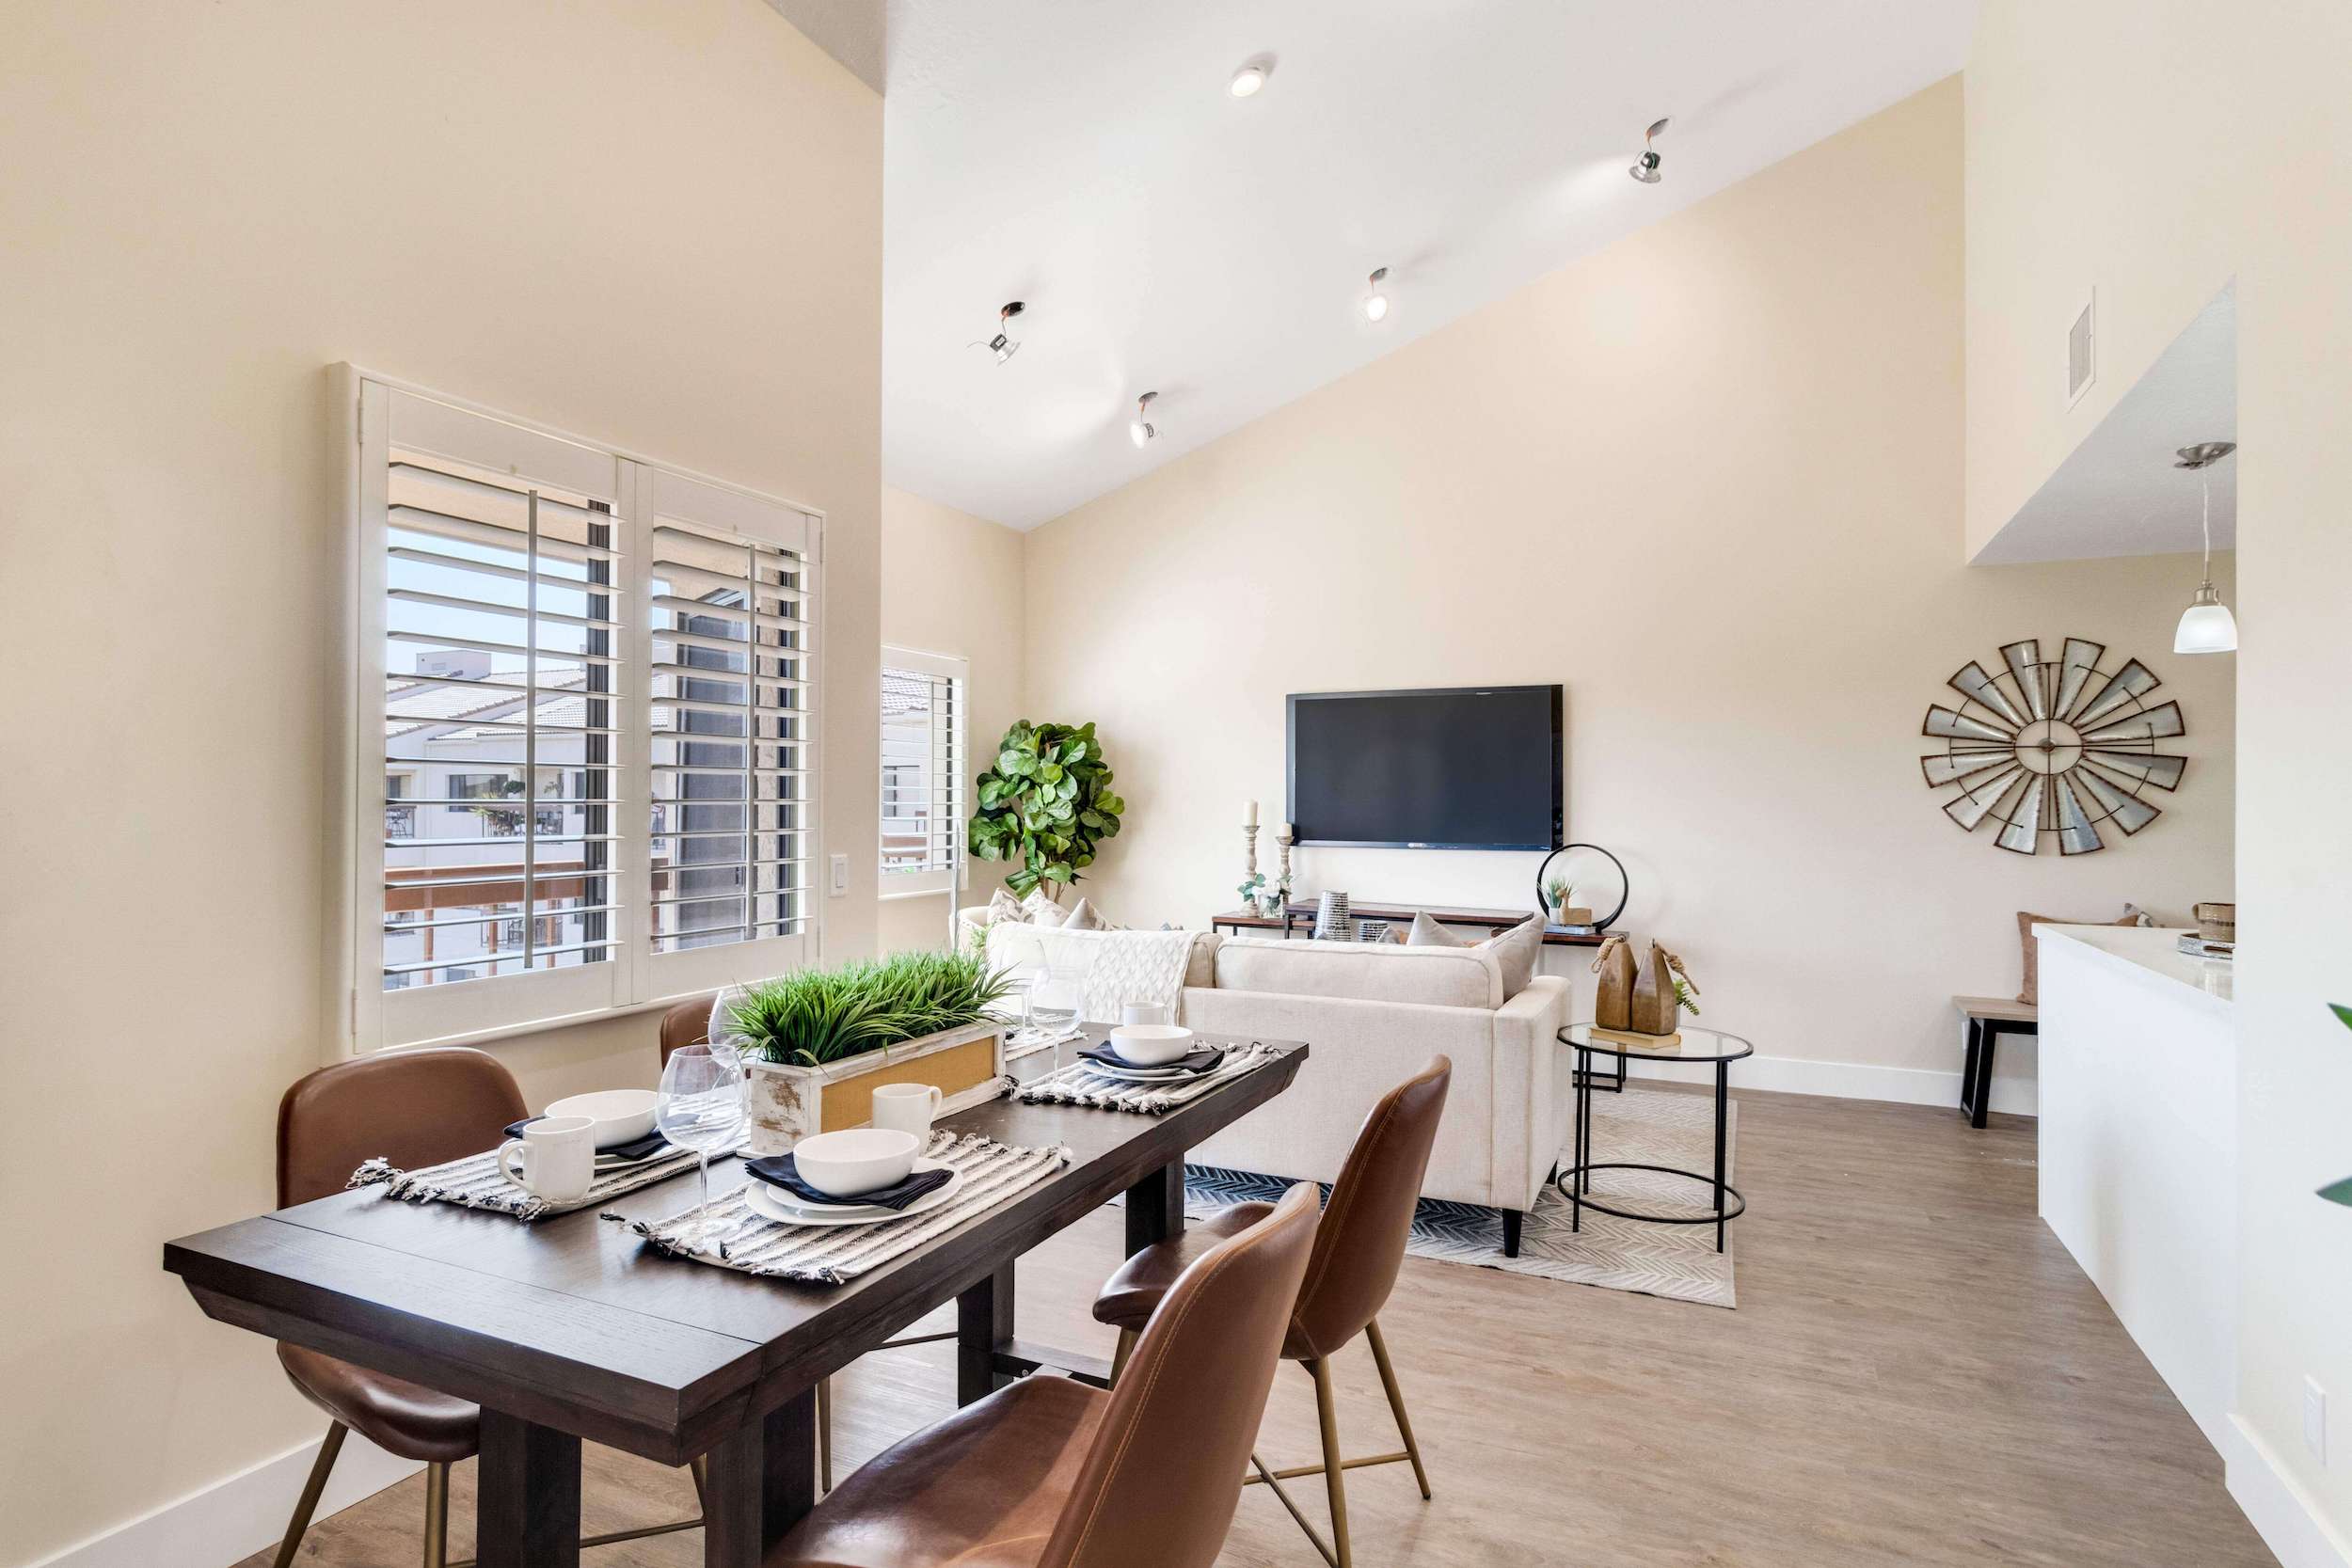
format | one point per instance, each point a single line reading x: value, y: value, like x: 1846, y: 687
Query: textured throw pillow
x: 1428, y: 933
x: 1001, y: 906
x: 1517, y: 951
x: 1037, y: 909
x: 2132, y: 916
x: 1083, y: 917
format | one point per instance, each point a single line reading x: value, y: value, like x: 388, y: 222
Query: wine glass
x: 1059, y: 996
x: 699, y: 1107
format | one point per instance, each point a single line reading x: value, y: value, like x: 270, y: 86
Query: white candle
x: 1250, y: 819
x: 1282, y: 829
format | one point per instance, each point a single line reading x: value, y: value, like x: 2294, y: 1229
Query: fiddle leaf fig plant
x: 1046, y: 804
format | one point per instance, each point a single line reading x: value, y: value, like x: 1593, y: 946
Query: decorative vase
x: 784, y: 1103
x: 1612, y: 996
x: 1332, y: 921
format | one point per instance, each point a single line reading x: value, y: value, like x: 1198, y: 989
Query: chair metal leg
x: 1396, y: 1403
x: 1119, y: 1356
x: 1274, y: 1484
x: 308, y: 1503
x: 1334, y: 1469
x: 436, y: 1516
x: 824, y: 1435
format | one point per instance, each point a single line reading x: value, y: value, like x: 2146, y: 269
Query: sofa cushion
x: 1435, y: 977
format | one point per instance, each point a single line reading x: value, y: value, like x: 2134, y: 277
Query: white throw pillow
x: 1043, y: 911
x: 1428, y: 933
x: 1082, y: 916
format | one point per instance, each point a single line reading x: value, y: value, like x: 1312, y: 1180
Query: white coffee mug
x: 907, y: 1108
x: 555, y: 1158
x: 1143, y: 1012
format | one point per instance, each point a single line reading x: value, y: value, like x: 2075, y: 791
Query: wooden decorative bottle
x: 1612, y: 997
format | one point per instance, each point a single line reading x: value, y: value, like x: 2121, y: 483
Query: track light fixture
x: 1645, y: 166
x: 1143, y: 431
x: 1375, y: 303
x: 1003, y: 345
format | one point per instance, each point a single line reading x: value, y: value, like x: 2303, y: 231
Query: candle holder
x: 1250, y: 832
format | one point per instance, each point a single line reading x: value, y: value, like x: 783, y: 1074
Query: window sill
x: 913, y: 892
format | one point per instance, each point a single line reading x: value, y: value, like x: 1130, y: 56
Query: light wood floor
x: 1917, y: 1374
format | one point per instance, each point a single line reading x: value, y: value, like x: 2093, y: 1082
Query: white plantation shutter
x: 922, y: 769
x: 730, y: 717
x: 584, y: 704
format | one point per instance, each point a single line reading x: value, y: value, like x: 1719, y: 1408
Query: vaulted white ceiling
x: 1086, y: 156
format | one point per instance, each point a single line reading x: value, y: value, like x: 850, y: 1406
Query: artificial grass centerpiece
x: 828, y: 1015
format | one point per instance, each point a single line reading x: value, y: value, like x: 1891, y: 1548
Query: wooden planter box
x: 787, y: 1103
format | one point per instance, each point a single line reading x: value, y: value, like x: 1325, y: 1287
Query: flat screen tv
x: 1472, y: 768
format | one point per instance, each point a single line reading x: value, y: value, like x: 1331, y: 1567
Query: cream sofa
x: 1373, y: 1014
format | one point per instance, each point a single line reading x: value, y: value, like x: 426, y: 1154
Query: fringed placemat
x: 1084, y: 1084
x: 734, y: 1235
x: 477, y: 1183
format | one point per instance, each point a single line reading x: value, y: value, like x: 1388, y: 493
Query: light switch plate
x: 840, y: 874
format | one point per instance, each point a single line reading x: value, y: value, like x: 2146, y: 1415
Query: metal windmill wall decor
x: 2052, y: 747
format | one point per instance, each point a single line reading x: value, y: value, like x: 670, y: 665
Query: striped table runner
x: 1083, y: 1083
x: 476, y: 1182
x: 735, y: 1236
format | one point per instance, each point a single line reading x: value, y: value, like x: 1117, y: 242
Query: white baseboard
x: 2011, y: 1093
x: 2281, y: 1512
x: 239, y: 1515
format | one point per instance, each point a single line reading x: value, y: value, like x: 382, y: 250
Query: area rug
x: 1642, y: 1126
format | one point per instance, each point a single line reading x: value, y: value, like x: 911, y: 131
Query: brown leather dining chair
x: 1050, y: 1473
x: 1357, y: 1249
x: 413, y: 1108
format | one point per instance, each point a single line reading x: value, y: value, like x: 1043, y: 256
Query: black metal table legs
x: 1577, y: 1180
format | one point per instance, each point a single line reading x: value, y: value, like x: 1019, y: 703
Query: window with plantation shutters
x: 730, y: 716
x: 584, y: 704
x: 922, y: 767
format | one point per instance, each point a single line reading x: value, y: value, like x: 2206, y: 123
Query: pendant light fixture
x: 1375, y: 303
x: 1143, y: 431
x: 2206, y: 626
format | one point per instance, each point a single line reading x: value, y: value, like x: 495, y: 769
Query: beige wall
x: 952, y: 583
x: 656, y: 225
x: 1710, y: 479
x: 2104, y: 147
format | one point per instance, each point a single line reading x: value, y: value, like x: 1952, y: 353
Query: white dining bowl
x: 621, y: 1116
x: 854, y: 1163
x: 1151, y: 1044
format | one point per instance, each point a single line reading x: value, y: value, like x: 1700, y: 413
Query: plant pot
x: 785, y: 1103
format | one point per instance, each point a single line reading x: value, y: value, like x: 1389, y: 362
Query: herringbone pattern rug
x: 1643, y: 1125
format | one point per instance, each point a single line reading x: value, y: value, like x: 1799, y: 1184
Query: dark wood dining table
x: 574, y: 1328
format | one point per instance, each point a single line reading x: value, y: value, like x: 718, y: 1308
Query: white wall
x: 952, y: 583
x: 2158, y: 150
x: 656, y: 225
x: 1711, y: 479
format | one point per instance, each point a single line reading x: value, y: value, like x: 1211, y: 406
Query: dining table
x: 573, y: 1329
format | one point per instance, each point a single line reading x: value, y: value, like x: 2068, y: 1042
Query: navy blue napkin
x: 644, y: 1148
x: 779, y: 1171
x: 1200, y: 1059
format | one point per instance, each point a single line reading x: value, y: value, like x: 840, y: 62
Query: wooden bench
x: 1988, y: 1018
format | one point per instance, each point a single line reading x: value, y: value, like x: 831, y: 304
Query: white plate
x: 776, y: 1204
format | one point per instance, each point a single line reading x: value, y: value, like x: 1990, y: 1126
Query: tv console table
x: 1294, y: 915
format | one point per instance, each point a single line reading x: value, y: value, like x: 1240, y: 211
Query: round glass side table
x: 1699, y: 1046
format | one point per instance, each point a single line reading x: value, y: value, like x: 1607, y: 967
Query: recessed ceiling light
x: 1003, y: 345
x: 1377, y: 303
x: 1645, y: 166
x: 1143, y: 431
x: 1250, y: 77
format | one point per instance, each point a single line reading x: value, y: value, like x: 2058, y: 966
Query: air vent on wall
x: 2081, y: 353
